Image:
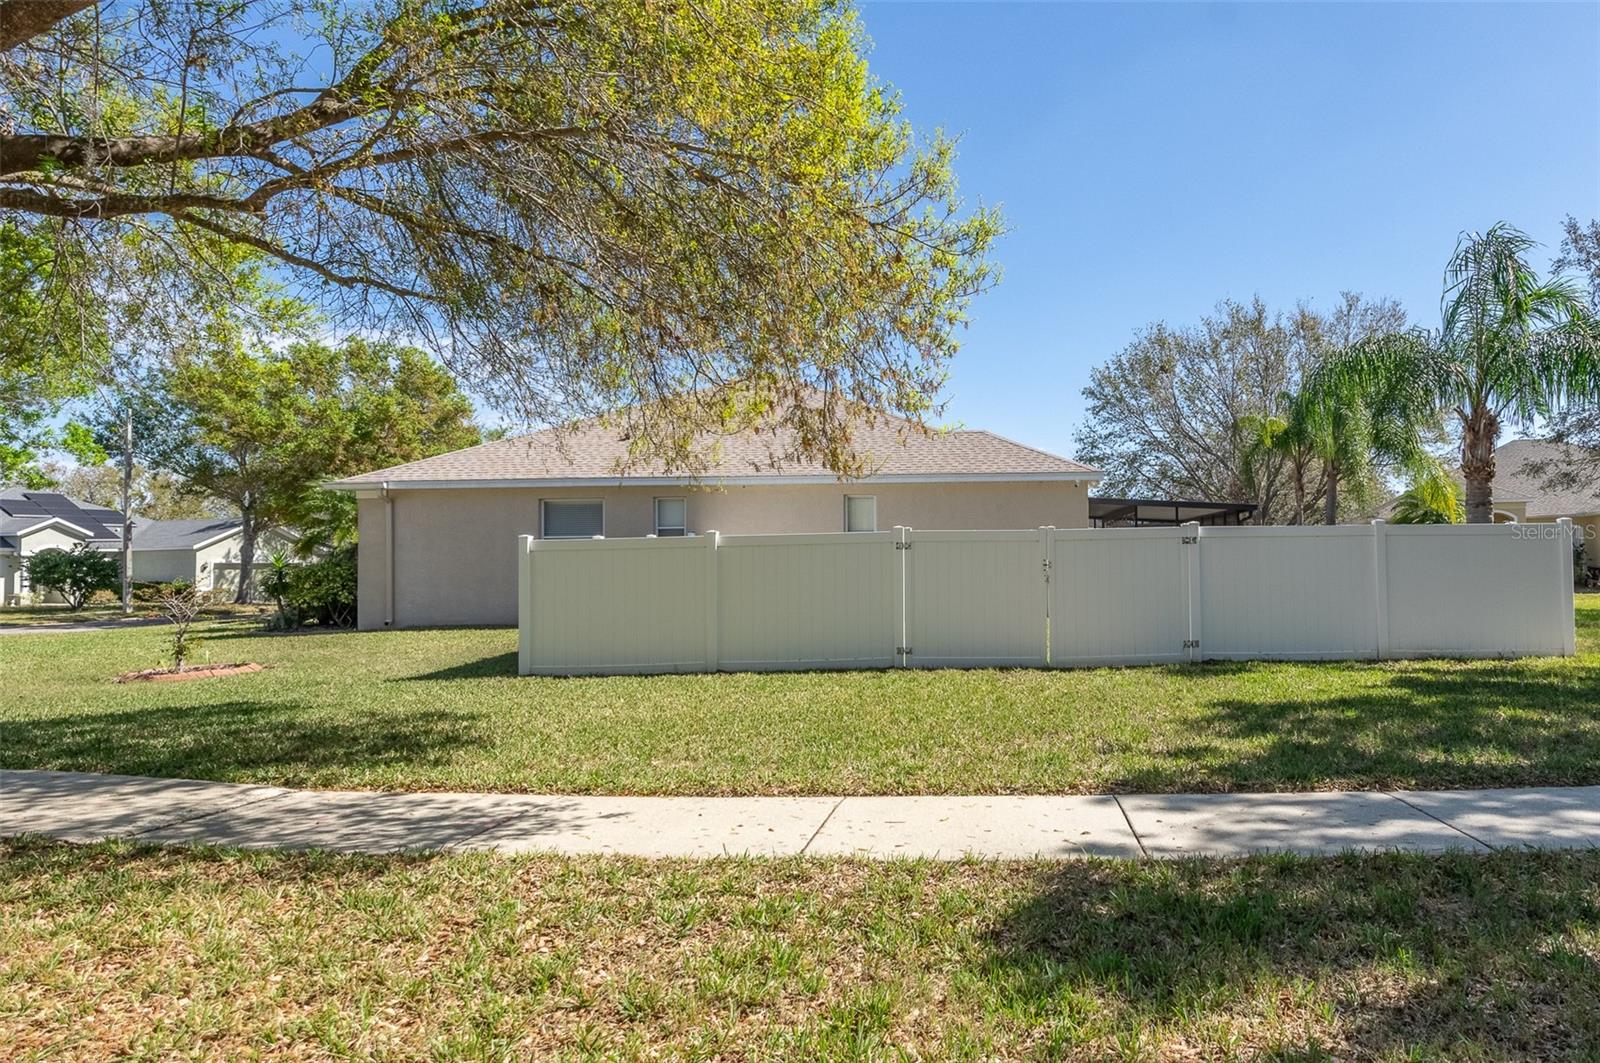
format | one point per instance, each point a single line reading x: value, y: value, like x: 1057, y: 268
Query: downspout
x: 388, y: 584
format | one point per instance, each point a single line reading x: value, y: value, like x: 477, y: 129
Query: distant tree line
x: 1313, y: 415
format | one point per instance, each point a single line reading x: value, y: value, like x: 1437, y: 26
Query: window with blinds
x: 672, y: 516
x: 860, y: 513
x: 571, y: 518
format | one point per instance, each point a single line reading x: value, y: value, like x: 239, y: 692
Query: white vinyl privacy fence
x: 1044, y: 596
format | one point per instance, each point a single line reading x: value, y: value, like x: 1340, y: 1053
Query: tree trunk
x: 1480, y: 431
x: 247, y: 553
x: 127, y: 512
x: 1330, y: 500
x: 1299, y: 492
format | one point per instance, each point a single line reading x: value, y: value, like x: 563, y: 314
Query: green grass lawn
x: 444, y: 710
x: 112, y: 951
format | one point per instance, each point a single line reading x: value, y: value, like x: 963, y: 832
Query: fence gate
x: 974, y: 598
x: 1120, y: 595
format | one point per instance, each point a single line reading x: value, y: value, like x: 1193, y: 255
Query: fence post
x: 1564, y: 548
x: 902, y: 610
x: 1380, y: 586
x: 713, y: 602
x: 525, y: 546
x: 1191, y: 568
x: 1048, y: 561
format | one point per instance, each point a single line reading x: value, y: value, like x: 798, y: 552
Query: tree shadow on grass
x: 1312, y: 959
x: 1469, y: 724
x: 242, y: 739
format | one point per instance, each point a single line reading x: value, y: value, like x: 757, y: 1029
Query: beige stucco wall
x: 27, y: 546
x: 199, y: 567
x: 455, y: 550
x: 163, y: 566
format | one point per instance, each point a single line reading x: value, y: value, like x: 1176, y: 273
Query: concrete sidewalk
x: 81, y: 807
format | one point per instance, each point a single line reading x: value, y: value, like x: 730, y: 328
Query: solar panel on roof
x: 46, y: 497
x: 22, y: 507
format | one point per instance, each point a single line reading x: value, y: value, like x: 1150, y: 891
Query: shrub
x: 153, y: 593
x: 324, y: 590
x: 74, y: 574
x: 275, y: 584
x: 181, y: 606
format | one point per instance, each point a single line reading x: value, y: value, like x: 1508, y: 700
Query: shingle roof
x: 180, y: 534
x: 1516, y: 481
x: 594, y: 452
x: 21, y: 508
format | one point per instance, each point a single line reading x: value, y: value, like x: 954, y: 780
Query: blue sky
x: 1152, y: 159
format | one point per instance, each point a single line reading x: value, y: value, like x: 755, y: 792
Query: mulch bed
x: 163, y: 675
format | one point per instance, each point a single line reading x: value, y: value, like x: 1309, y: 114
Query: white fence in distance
x: 1043, y: 597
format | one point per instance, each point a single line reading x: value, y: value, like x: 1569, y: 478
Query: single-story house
x: 438, y: 536
x: 204, y: 552
x: 1520, y: 469
x: 34, y: 521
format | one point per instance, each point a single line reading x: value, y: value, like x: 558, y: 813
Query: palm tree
x: 1509, y: 345
x: 1432, y: 498
x: 1284, y: 436
x: 1338, y: 429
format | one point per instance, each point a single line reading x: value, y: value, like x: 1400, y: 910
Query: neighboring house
x: 1520, y: 467
x: 205, y: 552
x: 438, y: 536
x: 33, y: 521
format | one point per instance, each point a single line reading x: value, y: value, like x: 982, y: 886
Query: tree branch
x: 22, y: 20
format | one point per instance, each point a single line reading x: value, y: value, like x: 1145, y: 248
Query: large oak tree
x: 1211, y: 410
x: 709, y: 213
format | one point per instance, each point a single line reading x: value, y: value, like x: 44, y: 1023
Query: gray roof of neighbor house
x: 592, y: 453
x: 181, y: 534
x: 21, y: 509
x: 1517, y: 478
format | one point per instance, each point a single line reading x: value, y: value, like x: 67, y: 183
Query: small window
x: 571, y: 519
x: 671, y: 516
x: 860, y: 513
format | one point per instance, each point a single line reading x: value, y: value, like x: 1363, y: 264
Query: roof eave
x: 1086, y: 476
x: 88, y: 535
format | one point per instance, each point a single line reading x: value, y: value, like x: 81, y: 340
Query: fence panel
x: 1287, y: 593
x: 1485, y: 590
x: 975, y: 598
x: 1089, y: 596
x: 1118, y: 596
x: 808, y: 601
x: 614, y: 605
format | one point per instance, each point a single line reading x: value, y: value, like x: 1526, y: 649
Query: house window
x: 671, y: 516
x: 860, y: 513
x: 571, y: 518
